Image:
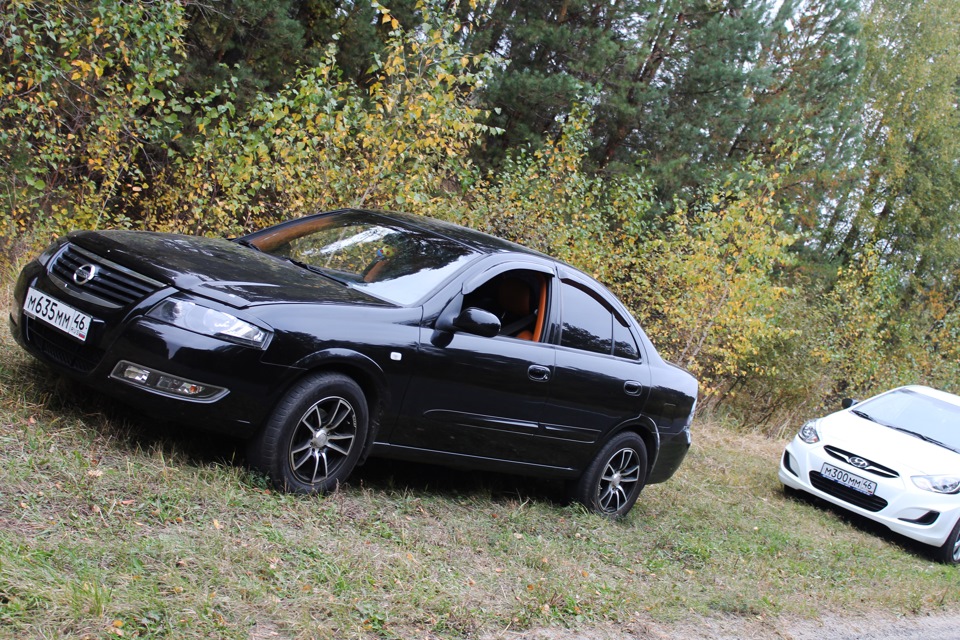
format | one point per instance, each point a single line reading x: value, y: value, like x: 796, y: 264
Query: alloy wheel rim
x: 322, y: 440
x: 956, y: 550
x: 620, y: 478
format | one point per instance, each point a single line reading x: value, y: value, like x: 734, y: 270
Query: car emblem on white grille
x: 85, y: 273
x: 858, y: 462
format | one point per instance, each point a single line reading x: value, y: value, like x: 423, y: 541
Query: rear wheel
x: 949, y: 553
x: 314, y: 437
x: 612, y: 483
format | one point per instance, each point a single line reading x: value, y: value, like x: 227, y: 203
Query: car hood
x: 907, y: 454
x: 219, y: 269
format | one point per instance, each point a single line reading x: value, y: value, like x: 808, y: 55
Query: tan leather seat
x: 513, y: 296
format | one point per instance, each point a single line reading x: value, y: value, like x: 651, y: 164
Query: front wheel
x: 313, y: 439
x: 949, y: 553
x: 613, y: 481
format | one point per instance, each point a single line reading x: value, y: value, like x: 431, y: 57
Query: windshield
x: 382, y: 256
x: 929, y: 417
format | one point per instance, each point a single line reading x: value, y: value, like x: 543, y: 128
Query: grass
x: 111, y: 526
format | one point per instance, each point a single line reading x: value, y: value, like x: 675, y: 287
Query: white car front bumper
x: 897, y: 503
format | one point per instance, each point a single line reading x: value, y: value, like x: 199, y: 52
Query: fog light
x: 166, y: 384
x: 132, y: 372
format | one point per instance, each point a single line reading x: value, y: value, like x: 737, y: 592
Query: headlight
x: 808, y: 432
x: 938, y: 484
x: 211, y: 322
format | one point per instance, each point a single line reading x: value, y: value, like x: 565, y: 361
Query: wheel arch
x: 648, y: 432
x: 360, y: 368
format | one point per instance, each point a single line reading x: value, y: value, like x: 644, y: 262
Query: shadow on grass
x: 865, y: 525
x: 125, y: 428
x: 393, y: 475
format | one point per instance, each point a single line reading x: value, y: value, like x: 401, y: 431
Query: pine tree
x: 685, y: 89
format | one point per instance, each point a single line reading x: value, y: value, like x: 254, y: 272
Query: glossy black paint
x: 440, y: 388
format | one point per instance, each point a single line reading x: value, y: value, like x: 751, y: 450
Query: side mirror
x: 478, y: 322
x: 846, y: 403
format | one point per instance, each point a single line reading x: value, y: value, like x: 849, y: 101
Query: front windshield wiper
x: 925, y: 438
x: 315, y: 269
x: 247, y: 243
x: 865, y: 415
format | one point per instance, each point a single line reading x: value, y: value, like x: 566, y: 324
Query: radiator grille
x: 111, y: 285
x: 854, y: 497
x: 872, y: 467
x: 60, y: 348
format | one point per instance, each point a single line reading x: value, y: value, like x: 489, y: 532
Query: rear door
x: 600, y: 380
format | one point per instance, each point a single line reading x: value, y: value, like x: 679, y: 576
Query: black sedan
x: 352, y: 334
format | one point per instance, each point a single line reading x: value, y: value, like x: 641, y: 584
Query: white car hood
x: 882, y: 445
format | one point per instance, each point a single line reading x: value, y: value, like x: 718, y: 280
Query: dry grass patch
x: 110, y: 525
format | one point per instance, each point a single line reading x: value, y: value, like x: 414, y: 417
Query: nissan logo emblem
x: 85, y: 273
x: 858, y: 462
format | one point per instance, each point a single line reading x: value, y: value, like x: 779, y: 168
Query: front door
x: 483, y: 396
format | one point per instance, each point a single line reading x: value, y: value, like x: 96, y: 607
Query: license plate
x: 855, y: 482
x: 57, y: 314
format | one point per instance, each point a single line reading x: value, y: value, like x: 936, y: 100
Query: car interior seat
x: 519, y: 315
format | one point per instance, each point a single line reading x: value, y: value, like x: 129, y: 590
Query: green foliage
x: 322, y: 142
x: 261, y: 45
x: 85, y: 90
x: 893, y: 305
x: 715, y: 296
x: 782, y: 278
x: 686, y: 89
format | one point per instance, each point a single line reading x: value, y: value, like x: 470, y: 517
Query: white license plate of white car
x: 47, y: 309
x: 847, y: 479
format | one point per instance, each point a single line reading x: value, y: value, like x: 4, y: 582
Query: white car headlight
x: 808, y: 432
x: 211, y: 322
x: 938, y: 484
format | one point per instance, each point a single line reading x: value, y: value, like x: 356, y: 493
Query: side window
x: 518, y: 298
x: 587, y: 324
x: 624, y: 345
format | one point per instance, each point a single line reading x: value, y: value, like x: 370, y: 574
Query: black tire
x: 612, y: 483
x: 949, y: 553
x: 313, y: 439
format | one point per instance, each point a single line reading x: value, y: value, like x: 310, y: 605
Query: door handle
x: 632, y: 388
x: 537, y: 373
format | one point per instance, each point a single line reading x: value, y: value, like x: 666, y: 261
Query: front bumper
x: 897, y: 504
x: 251, y: 386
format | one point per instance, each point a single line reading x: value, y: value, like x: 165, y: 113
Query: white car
x: 894, y: 459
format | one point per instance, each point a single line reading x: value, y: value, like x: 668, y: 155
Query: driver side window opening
x: 518, y: 298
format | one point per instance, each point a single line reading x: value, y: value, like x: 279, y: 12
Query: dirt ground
x: 878, y: 627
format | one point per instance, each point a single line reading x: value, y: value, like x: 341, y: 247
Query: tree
x: 264, y: 43
x: 811, y: 56
x: 907, y: 201
x: 686, y: 89
x: 86, y: 87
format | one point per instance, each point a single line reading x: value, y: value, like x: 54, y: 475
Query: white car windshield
x: 926, y: 417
